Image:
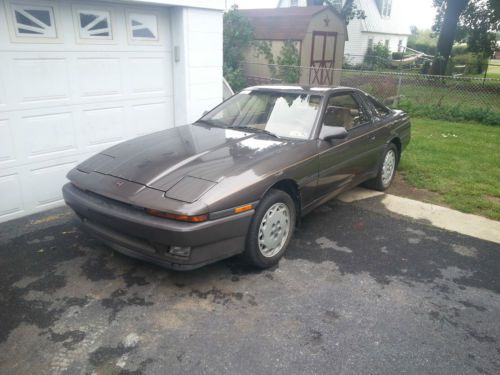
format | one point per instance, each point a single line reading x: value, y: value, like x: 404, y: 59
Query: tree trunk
x: 447, y: 34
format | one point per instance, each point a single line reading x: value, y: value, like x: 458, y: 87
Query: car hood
x: 189, y: 157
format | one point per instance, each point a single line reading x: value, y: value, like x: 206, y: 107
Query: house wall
x: 197, y: 66
x: 356, y: 47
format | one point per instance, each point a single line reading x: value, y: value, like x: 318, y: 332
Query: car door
x: 382, y: 118
x: 347, y: 161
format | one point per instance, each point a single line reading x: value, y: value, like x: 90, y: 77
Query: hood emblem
x: 119, y: 183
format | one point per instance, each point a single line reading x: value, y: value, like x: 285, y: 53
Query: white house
x: 79, y: 76
x: 383, y: 24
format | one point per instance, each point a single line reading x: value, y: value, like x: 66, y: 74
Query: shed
x: 317, y: 32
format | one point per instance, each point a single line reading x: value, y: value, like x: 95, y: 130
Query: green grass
x: 493, y: 70
x: 459, y: 161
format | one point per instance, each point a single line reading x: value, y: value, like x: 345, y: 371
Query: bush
x: 289, y: 57
x: 397, y: 55
x: 455, y: 113
x: 377, y: 57
x: 237, y: 36
x: 474, y: 63
x: 428, y: 49
x: 424, y: 41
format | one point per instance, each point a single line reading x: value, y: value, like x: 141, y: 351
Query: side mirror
x: 329, y: 133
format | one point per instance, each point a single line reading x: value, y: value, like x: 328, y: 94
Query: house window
x: 370, y: 43
x: 143, y: 26
x: 94, y: 24
x: 34, y: 21
x: 386, y: 8
x: 294, y: 3
x: 337, y: 4
x: 400, y: 45
x: 387, y: 43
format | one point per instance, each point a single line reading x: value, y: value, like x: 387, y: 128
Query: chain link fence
x: 393, y: 88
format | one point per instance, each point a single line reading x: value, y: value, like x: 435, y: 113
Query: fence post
x: 398, y: 91
x: 485, y: 72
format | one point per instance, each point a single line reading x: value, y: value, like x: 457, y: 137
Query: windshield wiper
x: 256, y: 130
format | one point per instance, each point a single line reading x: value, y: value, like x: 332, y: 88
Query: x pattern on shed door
x: 322, y: 58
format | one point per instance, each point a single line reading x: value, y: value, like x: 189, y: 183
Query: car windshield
x: 285, y: 115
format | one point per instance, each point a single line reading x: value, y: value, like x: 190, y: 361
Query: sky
x: 419, y: 13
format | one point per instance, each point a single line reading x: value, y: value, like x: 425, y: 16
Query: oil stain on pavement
x: 357, y: 292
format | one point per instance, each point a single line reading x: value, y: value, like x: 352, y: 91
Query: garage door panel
x: 99, y: 76
x: 149, y: 75
x: 104, y: 125
x: 41, y: 79
x: 48, y: 134
x: 11, y: 202
x: 7, y: 151
x: 46, y: 191
x: 148, y: 118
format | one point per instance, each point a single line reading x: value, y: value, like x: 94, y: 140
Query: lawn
x: 466, y: 92
x: 493, y: 69
x: 459, y: 161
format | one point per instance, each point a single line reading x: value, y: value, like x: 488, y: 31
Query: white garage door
x: 75, y: 77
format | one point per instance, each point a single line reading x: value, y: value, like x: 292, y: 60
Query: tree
x: 478, y: 24
x: 471, y: 21
x: 449, y: 12
x: 237, y: 36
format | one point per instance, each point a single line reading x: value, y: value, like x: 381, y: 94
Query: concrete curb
x: 440, y: 217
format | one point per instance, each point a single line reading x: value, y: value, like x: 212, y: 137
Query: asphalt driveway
x: 359, y: 291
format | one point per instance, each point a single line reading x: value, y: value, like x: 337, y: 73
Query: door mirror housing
x: 329, y: 133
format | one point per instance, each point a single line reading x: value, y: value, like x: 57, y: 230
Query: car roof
x: 317, y: 90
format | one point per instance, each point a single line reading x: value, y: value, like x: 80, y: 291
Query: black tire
x: 253, y: 255
x: 378, y: 183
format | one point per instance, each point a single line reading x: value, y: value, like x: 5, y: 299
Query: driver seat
x: 339, y: 116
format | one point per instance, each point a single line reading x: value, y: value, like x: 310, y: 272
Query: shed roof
x: 282, y: 23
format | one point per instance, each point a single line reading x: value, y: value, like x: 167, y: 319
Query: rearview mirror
x: 329, y: 133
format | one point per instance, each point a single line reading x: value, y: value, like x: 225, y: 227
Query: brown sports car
x: 238, y: 179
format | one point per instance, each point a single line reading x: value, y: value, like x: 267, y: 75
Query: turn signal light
x: 167, y: 215
x: 246, y: 207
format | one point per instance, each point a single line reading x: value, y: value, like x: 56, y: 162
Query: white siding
x: 356, y: 47
x: 198, y: 72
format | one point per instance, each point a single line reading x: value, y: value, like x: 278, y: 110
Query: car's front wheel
x: 387, y: 169
x: 271, y: 229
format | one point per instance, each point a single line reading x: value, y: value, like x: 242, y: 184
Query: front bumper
x: 132, y: 232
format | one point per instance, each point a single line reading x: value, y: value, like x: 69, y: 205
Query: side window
x: 379, y: 109
x: 343, y: 110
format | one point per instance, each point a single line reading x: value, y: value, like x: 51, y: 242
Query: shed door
x: 322, y: 58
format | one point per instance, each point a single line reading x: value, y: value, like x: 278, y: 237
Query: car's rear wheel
x: 387, y: 169
x: 271, y: 229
